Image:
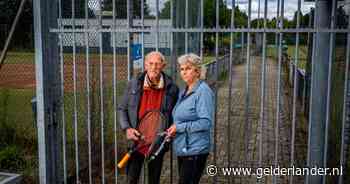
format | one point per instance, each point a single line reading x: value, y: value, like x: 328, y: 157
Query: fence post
x: 319, y: 87
x: 130, y: 18
x: 47, y: 90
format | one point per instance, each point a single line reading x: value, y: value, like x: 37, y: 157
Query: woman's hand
x: 171, y: 131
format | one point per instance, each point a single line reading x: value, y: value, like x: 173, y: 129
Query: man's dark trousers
x: 135, y: 166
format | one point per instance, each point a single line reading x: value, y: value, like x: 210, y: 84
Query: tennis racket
x: 149, y: 127
x: 159, y: 144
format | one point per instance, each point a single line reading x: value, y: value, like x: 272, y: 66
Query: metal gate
x: 279, y: 70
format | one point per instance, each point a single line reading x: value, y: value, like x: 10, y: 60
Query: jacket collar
x: 194, y: 89
x: 196, y: 86
x: 147, y: 84
x: 141, y: 78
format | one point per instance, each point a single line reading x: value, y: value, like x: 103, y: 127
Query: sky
x: 290, y: 6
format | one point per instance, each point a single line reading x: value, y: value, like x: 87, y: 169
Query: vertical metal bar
x: 142, y: 34
x: 242, y: 45
x: 157, y: 25
x: 278, y: 89
x: 230, y: 88
x: 86, y: 37
x: 346, y: 77
x: 186, y: 26
x: 75, y: 115
x: 202, y: 28
x: 296, y: 56
x: 277, y: 24
x: 258, y: 26
x: 101, y: 93
x: 129, y: 19
x: 311, y: 88
x: 320, y: 73
x: 47, y: 91
x: 306, y: 92
x: 64, y: 150
x: 44, y: 174
x: 216, y: 79
x: 247, y: 88
x: 173, y: 59
x: 262, y: 97
x: 329, y: 86
x: 173, y: 62
x: 115, y: 84
x: 173, y: 73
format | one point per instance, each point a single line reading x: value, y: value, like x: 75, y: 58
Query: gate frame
x: 47, y: 91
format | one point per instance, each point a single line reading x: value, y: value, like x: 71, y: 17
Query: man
x: 152, y: 89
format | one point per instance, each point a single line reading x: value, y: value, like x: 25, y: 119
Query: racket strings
x: 150, y: 126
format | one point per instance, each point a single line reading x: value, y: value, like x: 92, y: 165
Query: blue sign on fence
x: 237, y: 45
x: 136, y: 51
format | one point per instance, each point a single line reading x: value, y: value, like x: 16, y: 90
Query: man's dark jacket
x: 130, y: 103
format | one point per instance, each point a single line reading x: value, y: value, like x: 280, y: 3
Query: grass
x: 302, y: 58
x: 19, y: 57
x: 2, y: 177
x: 15, y: 109
x: 82, y: 110
x: 208, y: 59
x: 302, y: 51
x: 18, y: 128
x: 29, y: 57
x: 18, y: 140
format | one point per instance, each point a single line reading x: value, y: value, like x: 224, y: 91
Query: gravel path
x: 245, y: 123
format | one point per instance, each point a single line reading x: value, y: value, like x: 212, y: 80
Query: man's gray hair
x: 162, y: 58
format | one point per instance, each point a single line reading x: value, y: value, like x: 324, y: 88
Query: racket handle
x: 125, y: 160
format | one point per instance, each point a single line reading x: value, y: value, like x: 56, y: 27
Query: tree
x: 210, y: 13
x: 241, y: 18
x: 304, y: 19
x: 165, y: 12
x: 342, y: 19
x: 23, y: 35
x: 79, y: 7
x: 121, y: 8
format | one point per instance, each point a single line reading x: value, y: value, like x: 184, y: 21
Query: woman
x: 193, y: 119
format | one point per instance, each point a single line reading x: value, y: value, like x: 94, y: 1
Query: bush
x: 11, y: 158
x: 8, y: 132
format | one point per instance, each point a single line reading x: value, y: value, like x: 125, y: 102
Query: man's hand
x: 171, y: 131
x: 132, y: 134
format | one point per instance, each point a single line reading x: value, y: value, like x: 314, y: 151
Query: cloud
x: 152, y: 5
x: 290, y: 7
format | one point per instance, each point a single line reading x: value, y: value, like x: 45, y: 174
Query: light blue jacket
x: 193, y: 116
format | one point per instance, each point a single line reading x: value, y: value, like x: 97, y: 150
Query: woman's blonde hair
x: 194, y: 60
